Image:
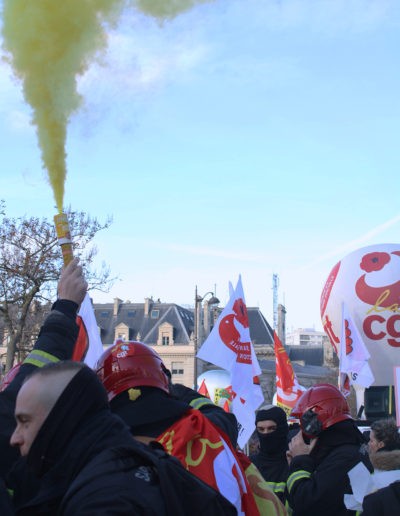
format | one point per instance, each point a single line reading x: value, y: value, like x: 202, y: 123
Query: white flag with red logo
x: 229, y: 346
x: 354, y: 356
x: 95, y: 349
x: 288, y: 389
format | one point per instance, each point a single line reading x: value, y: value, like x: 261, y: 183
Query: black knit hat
x: 272, y: 413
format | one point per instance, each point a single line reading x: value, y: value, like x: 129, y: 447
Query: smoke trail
x: 50, y: 43
x: 167, y: 8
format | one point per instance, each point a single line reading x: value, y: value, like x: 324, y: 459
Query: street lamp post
x: 197, y: 321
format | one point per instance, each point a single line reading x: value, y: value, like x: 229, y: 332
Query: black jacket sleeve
x: 385, y: 501
x: 55, y: 342
x: 321, y: 489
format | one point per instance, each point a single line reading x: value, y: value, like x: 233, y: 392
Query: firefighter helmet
x: 128, y: 364
x: 320, y: 407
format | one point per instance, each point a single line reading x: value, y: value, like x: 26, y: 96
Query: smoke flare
x: 49, y: 44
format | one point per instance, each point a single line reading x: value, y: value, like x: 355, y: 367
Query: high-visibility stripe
x: 200, y: 402
x: 277, y: 487
x: 40, y: 358
x: 297, y: 475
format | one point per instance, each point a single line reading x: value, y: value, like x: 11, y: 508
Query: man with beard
x: 272, y: 430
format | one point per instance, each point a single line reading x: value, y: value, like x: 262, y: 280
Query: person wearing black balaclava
x: 272, y: 430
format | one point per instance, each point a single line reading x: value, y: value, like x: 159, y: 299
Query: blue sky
x: 242, y: 137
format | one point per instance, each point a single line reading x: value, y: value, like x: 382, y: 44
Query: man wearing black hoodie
x: 321, y: 455
x: 272, y: 430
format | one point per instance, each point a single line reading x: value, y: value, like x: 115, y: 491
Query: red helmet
x: 9, y: 377
x: 320, y: 407
x: 128, y: 364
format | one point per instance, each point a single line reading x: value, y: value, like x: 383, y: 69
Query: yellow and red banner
x: 207, y: 453
x: 288, y: 390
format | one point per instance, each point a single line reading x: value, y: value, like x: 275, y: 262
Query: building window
x: 165, y: 340
x: 177, y: 368
x: 155, y: 314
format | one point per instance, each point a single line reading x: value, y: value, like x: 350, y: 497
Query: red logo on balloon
x: 230, y: 336
x: 385, y: 296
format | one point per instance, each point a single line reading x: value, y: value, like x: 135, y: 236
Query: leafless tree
x: 30, y: 265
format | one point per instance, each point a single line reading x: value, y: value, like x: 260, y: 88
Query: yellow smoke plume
x: 49, y: 44
x: 166, y: 8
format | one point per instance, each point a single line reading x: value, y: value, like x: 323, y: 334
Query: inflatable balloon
x: 368, y: 282
x: 216, y: 385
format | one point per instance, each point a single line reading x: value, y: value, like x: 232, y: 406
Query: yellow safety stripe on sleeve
x: 40, y: 358
x: 197, y: 403
x: 295, y: 476
x: 277, y: 487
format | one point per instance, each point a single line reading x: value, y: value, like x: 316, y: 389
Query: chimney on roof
x: 117, y: 303
x: 148, y: 302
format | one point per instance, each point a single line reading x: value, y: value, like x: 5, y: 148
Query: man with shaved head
x: 56, y: 341
x: 82, y: 454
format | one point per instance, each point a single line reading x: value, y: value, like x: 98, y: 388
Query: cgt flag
x: 288, y: 390
x: 229, y: 346
x: 354, y: 367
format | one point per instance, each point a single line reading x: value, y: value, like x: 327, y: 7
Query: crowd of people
x: 123, y: 439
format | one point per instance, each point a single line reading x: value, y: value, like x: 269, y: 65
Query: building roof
x: 260, y: 330
x: 144, y: 327
x: 309, y: 371
x: 311, y: 355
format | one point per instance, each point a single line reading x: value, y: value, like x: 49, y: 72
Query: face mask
x: 274, y: 442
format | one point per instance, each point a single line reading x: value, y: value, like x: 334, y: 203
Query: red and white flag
x: 229, y: 346
x: 354, y: 356
x: 288, y: 389
x: 95, y: 346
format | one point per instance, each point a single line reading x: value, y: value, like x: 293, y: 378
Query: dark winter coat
x: 318, y: 482
x: 274, y: 468
x: 77, y: 457
x: 56, y: 341
x: 384, y: 502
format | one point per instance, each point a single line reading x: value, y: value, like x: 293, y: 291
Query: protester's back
x: 139, y: 392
